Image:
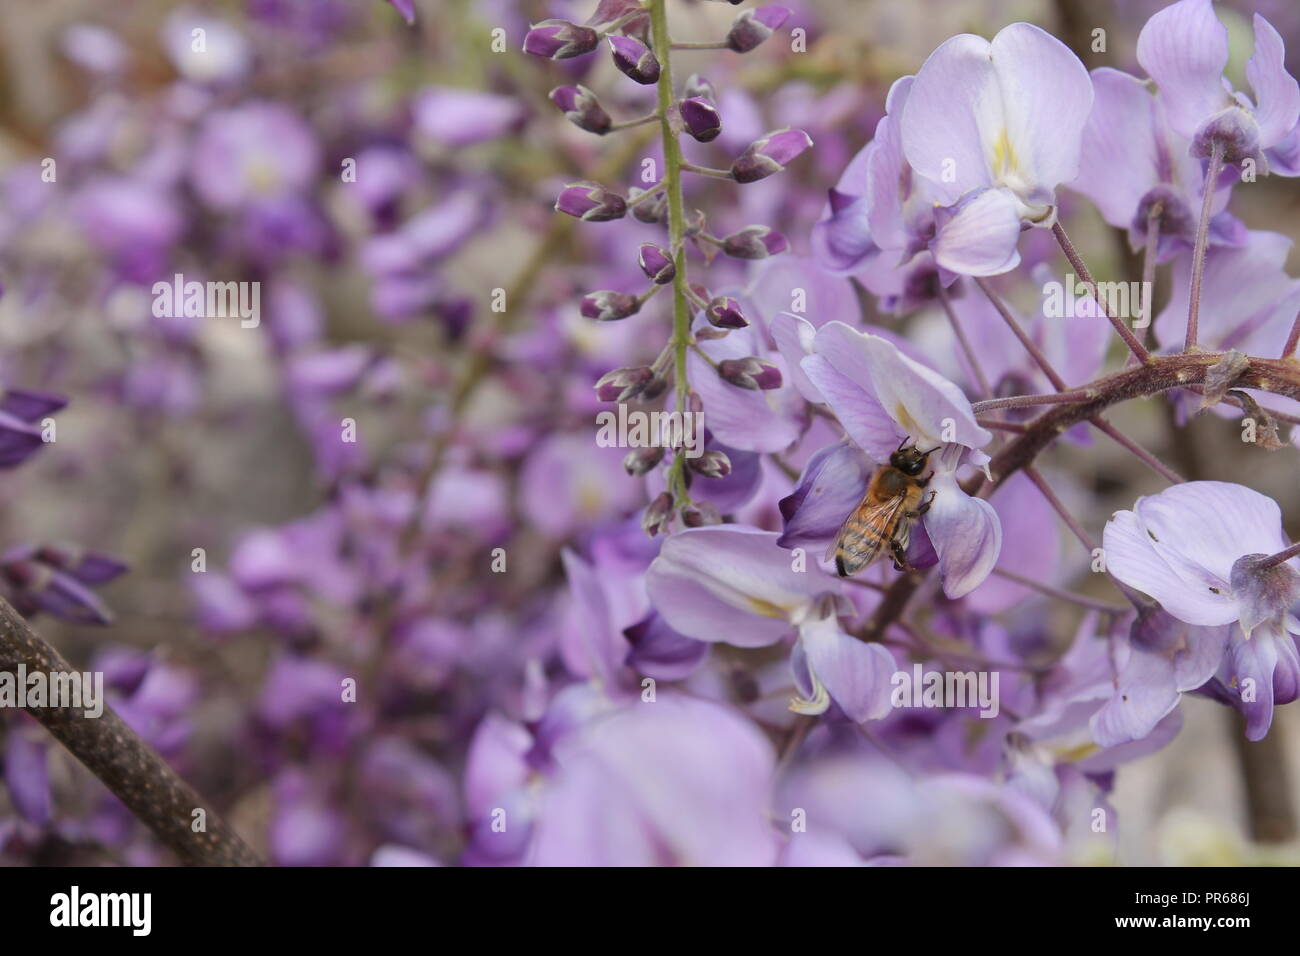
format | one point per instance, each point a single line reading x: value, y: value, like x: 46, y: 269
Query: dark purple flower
x: 609, y: 306
x: 769, y: 155
x: 754, y: 242
x: 724, y: 312
x: 634, y: 59
x: 590, y: 202
x: 621, y: 384
x: 700, y: 118
x: 751, y: 373
x: 656, y: 263
x: 581, y: 108
x: 37, y: 586
x: 752, y: 27
x: 560, y: 39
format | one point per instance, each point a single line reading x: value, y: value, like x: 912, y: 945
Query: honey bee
x: 883, y: 519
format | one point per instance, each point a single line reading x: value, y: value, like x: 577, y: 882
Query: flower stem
x: 1284, y: 555
x: 1202, y: 241
x: 1128, y: 444
x: 1081, y: 270
x: 964, y: 342
x: 704, y: 170
x: 673, y: 166
x: 1288, y: 350
x: 700, y: 45
x: 1079, y: 599
x: 628, y: 124
x: 1034, y: 351
x: 1029, y: 401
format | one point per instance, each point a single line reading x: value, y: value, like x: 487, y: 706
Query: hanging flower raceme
x: 735, y: 585
x: 1202, y: 550
x: 995, y: 127
x: 881, y: 398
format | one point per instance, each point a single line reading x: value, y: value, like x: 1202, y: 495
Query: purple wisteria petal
x: 759, y: 420
x: 857, y: 409
x: 1007, y: 113
x: 966, y: 535
x: 794, y: 337
x: 1256, y: 660
x: 692, y: 780
x: 1145, y: 692
x: 1277, y: 95
x: 1248, y: 301
x: 1184, y: 48
x: 832, y: 484
x: 660, y: 652
x: 590, y: 644
x: 731, y: 584
x: 27, y: 778
x: 1029, y: 528
x: 921, y: 401
x: 856, y: 674
x: 1179, y: 546
x: 978, y: 235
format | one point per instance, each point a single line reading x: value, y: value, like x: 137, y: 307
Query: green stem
x: 681, y: 337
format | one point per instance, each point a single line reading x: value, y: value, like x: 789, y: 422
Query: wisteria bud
x: 634, y: 59
x: 560, y: 39
x: 752, y: 27
x: 656, y: 263
x: 700, y: 118
x: 711, y: 464
x: 640, y: 460
x: 769, y: 155
x: 754, y: 242
x: 699, y: 515
x: 591, y: 202
x: 724, y: 312
x: 651, y: 211
x: 609, y: 306
x: 657, y: 514
x: 752, y: 373
x: 621, y: 384
x: 658, y: 385
x: 697, y: 85
x: 581, y: 108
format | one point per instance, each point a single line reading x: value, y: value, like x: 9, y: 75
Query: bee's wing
x: 865, y: 534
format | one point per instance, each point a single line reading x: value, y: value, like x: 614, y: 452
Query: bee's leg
x: 921, y: 509
x: 900, y: 557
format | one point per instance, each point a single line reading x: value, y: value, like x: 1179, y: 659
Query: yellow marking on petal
x: 1004, y: 156
x: 765, y: 608
x: 1079, y: 752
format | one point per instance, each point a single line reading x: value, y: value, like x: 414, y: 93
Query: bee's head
x: 910, y: 460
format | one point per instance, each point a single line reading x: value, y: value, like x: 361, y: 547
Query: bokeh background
x: 471, y: 424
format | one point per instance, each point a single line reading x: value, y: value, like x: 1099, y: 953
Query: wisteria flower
x: 1184, y: 48
x: 1201, y: 549
x: 735, y: 585
x: 995, y: 127
x: 1132, y: 160
x: 882, y: 398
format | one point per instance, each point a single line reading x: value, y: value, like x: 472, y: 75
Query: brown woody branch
x: 128, y: 766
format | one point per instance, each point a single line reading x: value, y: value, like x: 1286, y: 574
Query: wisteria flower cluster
x: 648, y: 432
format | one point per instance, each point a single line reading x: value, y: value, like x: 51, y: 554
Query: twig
x: 128, y: 766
